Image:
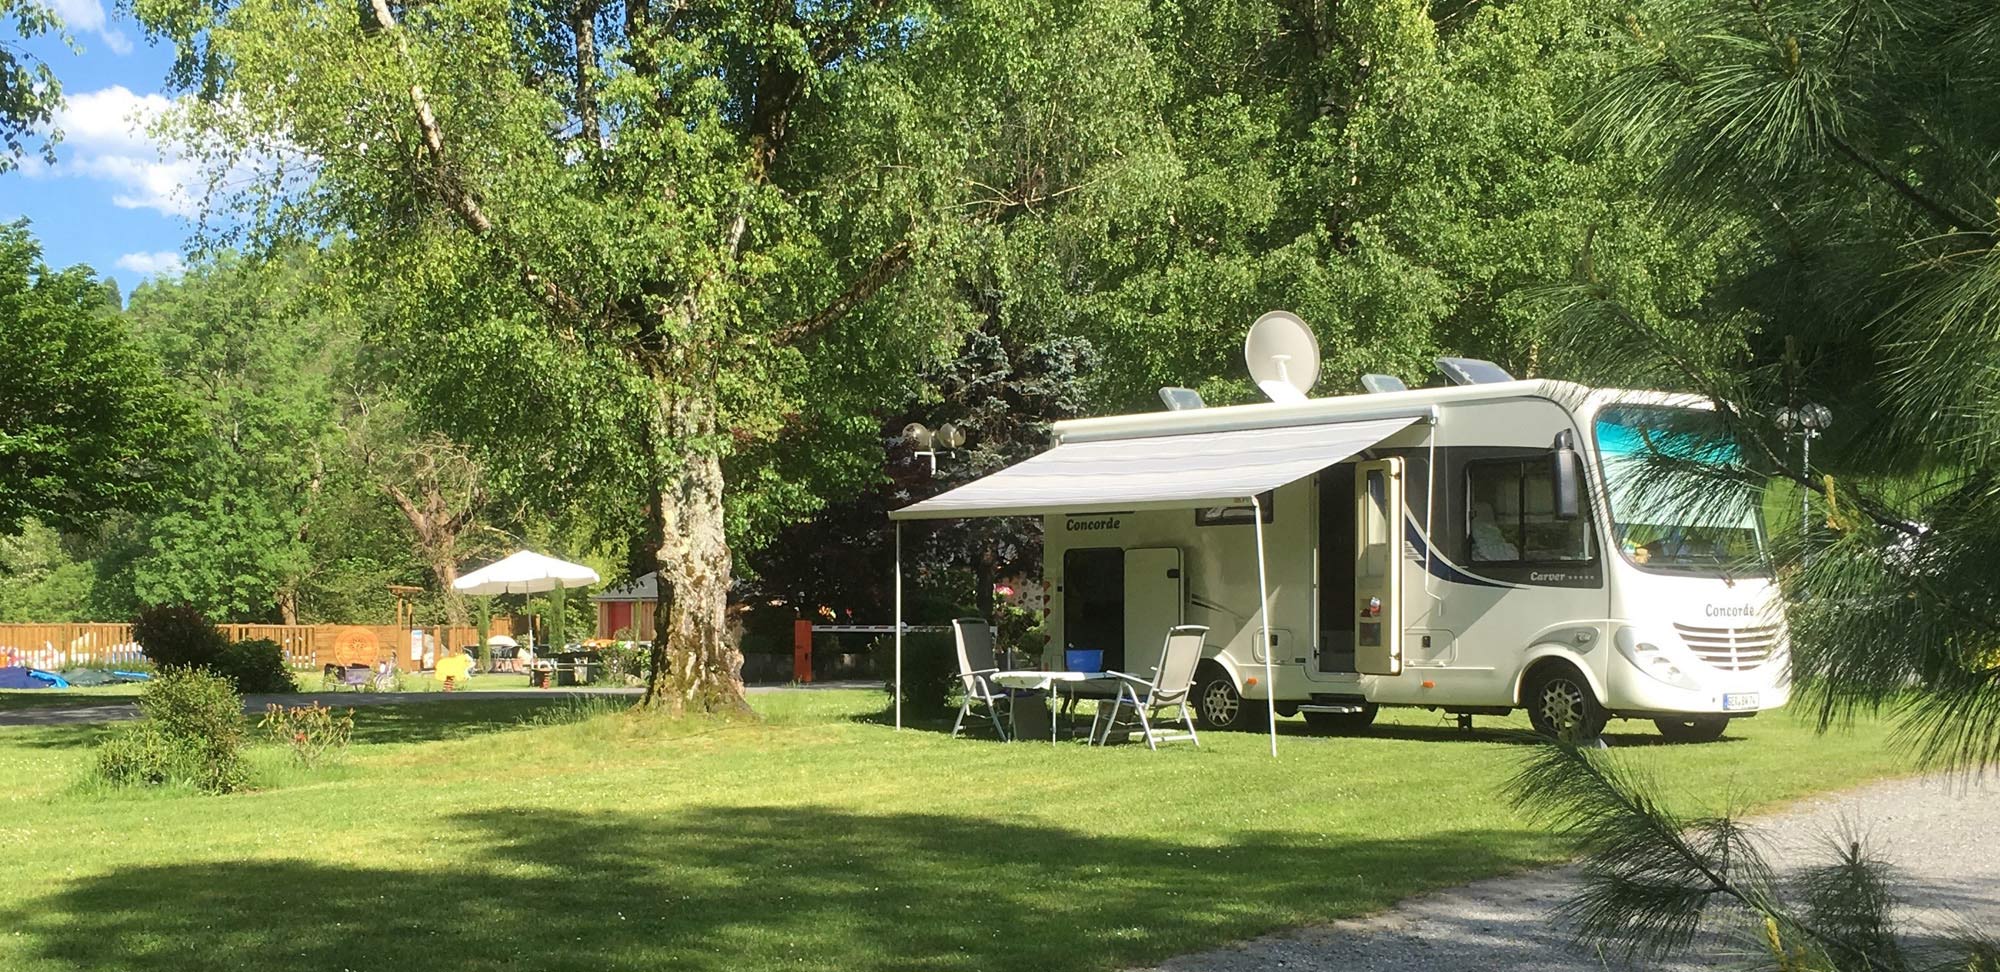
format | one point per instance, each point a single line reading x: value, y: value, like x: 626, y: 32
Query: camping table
x: 1067, y: 686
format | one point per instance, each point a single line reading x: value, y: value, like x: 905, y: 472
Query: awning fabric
x: 1162, y: 471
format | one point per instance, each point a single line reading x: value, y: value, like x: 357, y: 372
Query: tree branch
x: 1949, y: 217
x: 456, y: 195
x: 883, y: 269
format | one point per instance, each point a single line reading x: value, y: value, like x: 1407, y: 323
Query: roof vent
x: 1181, y: 399
x: 1472, y: 371
x: 1378, y: 384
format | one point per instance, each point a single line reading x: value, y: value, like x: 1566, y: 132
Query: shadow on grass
x: 736, y: 888
x: 1290, y: 728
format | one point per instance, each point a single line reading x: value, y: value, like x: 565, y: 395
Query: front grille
x: 1731, y: 649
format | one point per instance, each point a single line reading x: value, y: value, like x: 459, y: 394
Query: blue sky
x: 112, y: 200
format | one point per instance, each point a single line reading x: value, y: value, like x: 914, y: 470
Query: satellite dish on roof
x: 1283, y: 356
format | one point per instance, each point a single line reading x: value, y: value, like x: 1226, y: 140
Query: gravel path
x: 1942, y: 835
x: 111, y: 710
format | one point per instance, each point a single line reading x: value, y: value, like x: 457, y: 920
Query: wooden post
x: 802, y: 650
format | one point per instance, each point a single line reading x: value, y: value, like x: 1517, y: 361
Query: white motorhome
x: 1474, y: 549
x: 1498, y: 600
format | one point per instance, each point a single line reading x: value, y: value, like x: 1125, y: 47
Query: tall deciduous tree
x: 677, y: 223
x: 88, y: 424
x: 1394, y: 172
x: 256, y: 350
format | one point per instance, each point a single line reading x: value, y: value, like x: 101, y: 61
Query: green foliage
x: 930, y: 672
x: 255, y: 665
x: 314, y: 732
x: 29, y: 91
x: 178, y: 636
x: 42, y: 578
x: 190, y: 732
x: 624, y: 661
x: 90, y: 425
x: 1020, y: 632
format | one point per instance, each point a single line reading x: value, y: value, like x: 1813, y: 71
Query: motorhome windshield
x: 1669, y: 511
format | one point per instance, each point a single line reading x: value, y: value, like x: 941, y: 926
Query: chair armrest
x: 980, y: 671
x: 1134, y: 679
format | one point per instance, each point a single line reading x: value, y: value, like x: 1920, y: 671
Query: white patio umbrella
x: 524, y: 572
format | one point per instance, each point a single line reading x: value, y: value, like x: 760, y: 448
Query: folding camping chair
x: 1170, y: 686
x: 975, y: 666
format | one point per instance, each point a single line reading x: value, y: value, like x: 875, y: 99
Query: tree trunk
x: 696, y: 667
x: 446, y: 570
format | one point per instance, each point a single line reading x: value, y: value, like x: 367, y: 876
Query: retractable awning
x: 1192, y: 469
x: 1161, y: 471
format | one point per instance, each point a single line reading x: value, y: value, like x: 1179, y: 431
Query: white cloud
x: 87, y: 17
x: 150, y: 264
x: 107, y: 137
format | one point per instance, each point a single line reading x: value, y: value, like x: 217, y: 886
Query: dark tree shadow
x: 734, y: 888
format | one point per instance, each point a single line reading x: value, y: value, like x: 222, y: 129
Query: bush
x: 313, y: 731
x: 625, y: 660
x: 930, y: 671
x: 178, y: 636
x: 255, y: 665
x: 190, y: 731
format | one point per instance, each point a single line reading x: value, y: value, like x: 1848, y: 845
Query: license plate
x: 1737, y: 701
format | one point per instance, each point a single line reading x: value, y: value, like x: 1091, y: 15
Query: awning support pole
x: 1264, y: 622
x: 899, y: 624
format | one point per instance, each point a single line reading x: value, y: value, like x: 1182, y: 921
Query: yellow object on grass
x: 454, y: 666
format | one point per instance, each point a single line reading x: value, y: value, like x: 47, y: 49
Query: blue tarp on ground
x: 18, y: 678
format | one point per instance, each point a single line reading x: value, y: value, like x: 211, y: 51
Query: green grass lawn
x: 307, y: 682
x: 454, y: 837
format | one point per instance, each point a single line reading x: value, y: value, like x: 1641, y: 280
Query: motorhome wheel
x: 1693, y: 729
x: 1219, y: 705
x: 1560, y: 703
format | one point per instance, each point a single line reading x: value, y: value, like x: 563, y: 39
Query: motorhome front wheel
x: 1560, y: 703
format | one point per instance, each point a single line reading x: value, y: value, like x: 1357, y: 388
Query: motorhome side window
x: 1229, y: 515
x: 1511, y: 515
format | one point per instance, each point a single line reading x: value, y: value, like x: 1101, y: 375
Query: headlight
x: 1648, y: 657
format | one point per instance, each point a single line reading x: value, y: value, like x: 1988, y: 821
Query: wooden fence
x: 60, y: 646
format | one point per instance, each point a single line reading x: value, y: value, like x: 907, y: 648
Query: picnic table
x: 1065, y: 687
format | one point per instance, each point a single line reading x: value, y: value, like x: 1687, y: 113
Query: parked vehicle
x: 1476, y: 549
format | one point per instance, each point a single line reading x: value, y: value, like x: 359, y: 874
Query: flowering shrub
x: 190, y: 731
x: 313, y: 731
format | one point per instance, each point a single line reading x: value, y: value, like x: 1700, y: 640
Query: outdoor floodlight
x: 929, y: 442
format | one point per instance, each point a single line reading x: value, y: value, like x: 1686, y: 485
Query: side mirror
x: 1567, y: 476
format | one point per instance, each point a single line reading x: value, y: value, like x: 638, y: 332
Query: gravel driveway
x: 1943, y: 835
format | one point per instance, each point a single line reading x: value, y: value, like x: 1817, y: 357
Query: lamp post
x: 1806, y: 422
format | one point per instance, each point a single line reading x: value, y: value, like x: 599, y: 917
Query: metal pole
x: 1264, y: 622
x: 1805, y: 496
x: 899, y: 624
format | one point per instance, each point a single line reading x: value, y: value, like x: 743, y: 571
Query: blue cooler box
x: 1083, y: 660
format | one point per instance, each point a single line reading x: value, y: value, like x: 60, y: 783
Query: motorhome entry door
x: 1378, y: 567
x: 1153, y: 604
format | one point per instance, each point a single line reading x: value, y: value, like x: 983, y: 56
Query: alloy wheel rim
x: 1562, y: 704
x: 1219, y: 703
